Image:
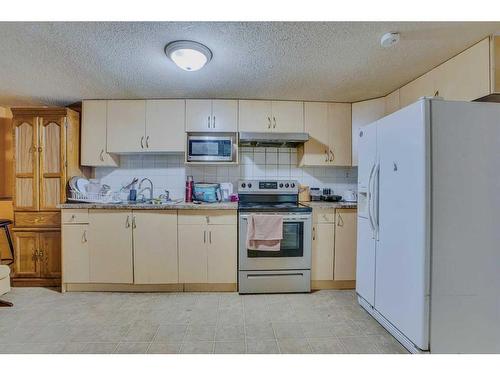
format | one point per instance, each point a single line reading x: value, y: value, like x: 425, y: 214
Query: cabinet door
x: 322, y: 251
x: 288, y: 116
x: 50, y: 254
x: 255, y: 116
x: 155, y: 247
x: 422, y: 86
x: 52, y: 154
x: 110, y: 246
x: 225, y: 115
x: 392, y: 102
x: 26, y: 254
x: 199, y: 115
x: 339, y: 118
x: 466, y: 76
x: 193, y: 253
x: 222, y: 253
x: 364, y: 113
x: 315, y: 150
x: 165, y: 121
x: 75, y: 253
x: 126, y: 125
x: 25, y: 163
x: 345, y: 244
x: 93, y: 144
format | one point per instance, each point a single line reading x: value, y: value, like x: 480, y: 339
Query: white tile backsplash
x: 168, y: 172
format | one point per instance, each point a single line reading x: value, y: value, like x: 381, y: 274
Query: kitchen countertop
x: 323, y: 204
x: 146, y: 206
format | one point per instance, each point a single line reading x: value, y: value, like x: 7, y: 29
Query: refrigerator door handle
x: 370, y: 199
x: 376, y: 185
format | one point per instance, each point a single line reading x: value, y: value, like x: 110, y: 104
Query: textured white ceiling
x: 60, y: 63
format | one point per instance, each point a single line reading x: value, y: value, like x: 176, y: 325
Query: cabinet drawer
x: 324, y: 215
x: 210, y: 217
x: 75, y: 216
x: 37, y: 219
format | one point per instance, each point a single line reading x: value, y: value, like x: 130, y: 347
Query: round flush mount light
x: 389, y: 39
x: 188, y: 55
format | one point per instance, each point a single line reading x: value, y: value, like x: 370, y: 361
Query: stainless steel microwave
x: 211, y: 147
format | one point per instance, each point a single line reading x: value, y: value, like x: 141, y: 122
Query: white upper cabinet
x: 288, y: 116
x: 126, y: 126
x: 271, y: 116
x: 255, y: 116
x: 93, y: 145
x: 165, y: 125
x: 205, y: 115
x: 364, y: 113
x: 225, y: 115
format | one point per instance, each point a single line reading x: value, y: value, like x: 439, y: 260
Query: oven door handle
x: 302, y: 219
x: 272, y: 275
x: 285, y: 219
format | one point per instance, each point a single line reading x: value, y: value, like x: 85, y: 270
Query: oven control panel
x: 268, y: 186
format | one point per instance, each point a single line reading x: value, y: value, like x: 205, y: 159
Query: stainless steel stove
x: 289, y: 269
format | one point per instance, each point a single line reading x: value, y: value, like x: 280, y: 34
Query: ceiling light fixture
x: 389, y: 39
x: 188, y: 55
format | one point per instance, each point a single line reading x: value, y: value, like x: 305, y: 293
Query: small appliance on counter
x: 315, y: 194
x: 350, y: 196
x: 207, y: 192
x: 328, y: 196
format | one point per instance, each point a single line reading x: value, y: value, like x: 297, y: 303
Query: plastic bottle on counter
x: 189, y: 188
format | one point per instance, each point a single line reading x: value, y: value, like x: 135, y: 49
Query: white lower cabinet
x: 76, y: 259
x: 110, y: 246
x: 322, y: 251
x: 208, y: 251
x: 155, y: 247
x: 149, y: 247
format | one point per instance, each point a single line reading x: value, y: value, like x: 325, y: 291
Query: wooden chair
x: 5, y: 269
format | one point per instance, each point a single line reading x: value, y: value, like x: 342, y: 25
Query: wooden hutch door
x: 26, y: 245
x: 51, y: 154
x: 25, y: 163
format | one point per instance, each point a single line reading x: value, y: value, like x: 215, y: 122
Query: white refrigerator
x: 428, y: 253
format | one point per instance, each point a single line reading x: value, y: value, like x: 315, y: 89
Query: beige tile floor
x: 46, y: 321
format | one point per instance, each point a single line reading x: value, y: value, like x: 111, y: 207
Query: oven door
x: 295, y: 249
x: 210, y: 148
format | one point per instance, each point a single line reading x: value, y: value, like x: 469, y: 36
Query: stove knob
x: 292, y: 185
x: 243, y: 185
x: 249, y: 185
x: 281, y: 185
x: 286, y: 185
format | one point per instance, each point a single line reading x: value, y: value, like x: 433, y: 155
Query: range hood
x: 272, y: 139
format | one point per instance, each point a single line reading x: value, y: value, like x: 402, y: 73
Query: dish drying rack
x: 101, y: 197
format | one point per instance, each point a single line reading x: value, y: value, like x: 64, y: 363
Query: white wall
x: 169, y: 171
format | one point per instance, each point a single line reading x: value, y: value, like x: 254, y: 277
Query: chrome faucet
x: 150, y: 188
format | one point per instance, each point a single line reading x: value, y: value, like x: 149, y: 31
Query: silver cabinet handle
x: 133, y: 222
x: 127, y: 222
x: 269, y: 120
x: 274, y: 119
x: 326, y: 155
x: 314, y: 233
x: 204, y: 236
x: 101, y: 156
x: 73, y: 217
x: 208, y: 219
x: 142, y: 142
x: 84, y: 236
x: 332, y: 157
x: 209, y: 122
x: 147, y: 141
x: 210, y: 237
x: 213, y: 125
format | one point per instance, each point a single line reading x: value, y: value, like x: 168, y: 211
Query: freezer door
x: 402, y: 258
x: 365, y: 262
